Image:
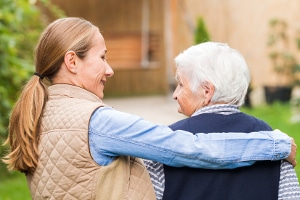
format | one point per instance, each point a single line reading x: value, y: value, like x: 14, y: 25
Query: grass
x: 278, y: 116
x: 13, y: 184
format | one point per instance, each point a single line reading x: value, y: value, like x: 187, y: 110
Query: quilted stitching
x: 64, y: 154
x: 140, y: 186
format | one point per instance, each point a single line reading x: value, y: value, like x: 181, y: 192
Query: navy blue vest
x: 257, y: 182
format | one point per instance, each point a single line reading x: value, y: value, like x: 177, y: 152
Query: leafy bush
x: 21, y: 22
x: 282, y: 52
x: 201, y: 33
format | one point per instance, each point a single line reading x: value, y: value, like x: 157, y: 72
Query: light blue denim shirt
x: 113, y: 133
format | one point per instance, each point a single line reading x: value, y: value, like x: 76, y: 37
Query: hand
x: 292, y: 156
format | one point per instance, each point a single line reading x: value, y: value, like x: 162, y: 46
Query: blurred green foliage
x: 21, y: 23
x: 201, y: 33
x: 282, y: 54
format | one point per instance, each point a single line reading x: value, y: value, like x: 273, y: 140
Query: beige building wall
x: 243, y: 24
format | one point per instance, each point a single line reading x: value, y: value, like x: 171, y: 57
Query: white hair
x: 218, y: 64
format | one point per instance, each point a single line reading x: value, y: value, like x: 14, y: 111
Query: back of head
x: 220, y: 65
x: 61, y: 36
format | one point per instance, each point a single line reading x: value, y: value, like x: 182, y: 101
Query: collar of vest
x: 59, y: 90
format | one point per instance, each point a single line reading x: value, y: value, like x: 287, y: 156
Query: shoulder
x: 180, y: 125
x: 258, y: 122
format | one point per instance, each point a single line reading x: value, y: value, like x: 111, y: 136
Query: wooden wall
x: 244, y: 25
x: 120, y: 22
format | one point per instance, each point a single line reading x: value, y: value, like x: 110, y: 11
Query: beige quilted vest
x: 66, y: 169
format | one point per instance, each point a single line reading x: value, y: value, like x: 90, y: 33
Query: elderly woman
x: 212, y: 83
x: 71, y: 145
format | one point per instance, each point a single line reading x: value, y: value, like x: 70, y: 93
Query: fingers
x: 292, y: 156
x: 295, y: 152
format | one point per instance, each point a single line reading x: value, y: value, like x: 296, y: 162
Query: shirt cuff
x: 282, y: 145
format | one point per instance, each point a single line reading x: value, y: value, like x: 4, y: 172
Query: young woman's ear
x: 70, y: 61
x: 209, y: 90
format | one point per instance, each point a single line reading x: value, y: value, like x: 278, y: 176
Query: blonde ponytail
x: 24, y: 127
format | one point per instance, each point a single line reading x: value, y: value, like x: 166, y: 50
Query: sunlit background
x: 143, y: 37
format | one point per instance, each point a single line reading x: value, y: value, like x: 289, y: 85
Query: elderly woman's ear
x: 209, y: 90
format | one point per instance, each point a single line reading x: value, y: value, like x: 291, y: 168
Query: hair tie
x: 39, y: 75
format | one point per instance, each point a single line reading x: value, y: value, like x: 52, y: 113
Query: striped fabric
x: 288, y: 183
x: 157, y: 175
